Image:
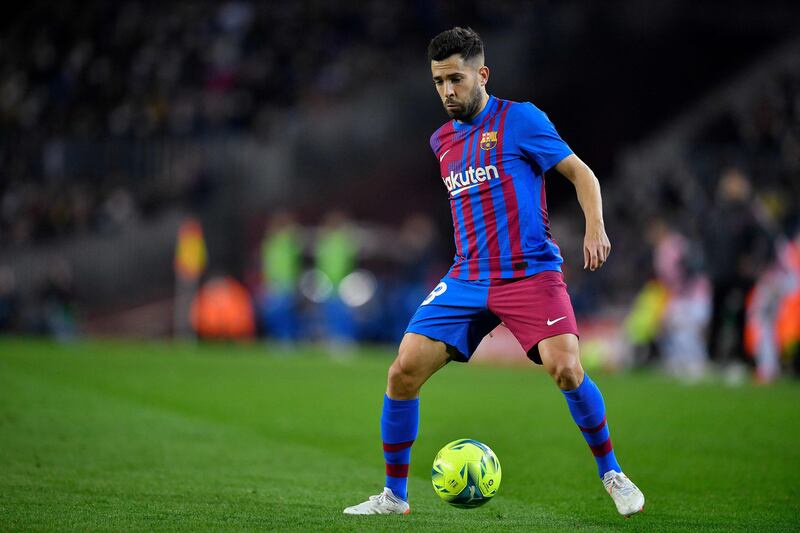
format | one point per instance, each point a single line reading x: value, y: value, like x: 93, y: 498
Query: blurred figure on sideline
x: 687, y: 310
x: 281, y: 262
x: 643, y: 323
x: 191, y: 257
x: 335, y: 255
x: 735, y: 247
x: 787, y: 322
x: 773, y: 312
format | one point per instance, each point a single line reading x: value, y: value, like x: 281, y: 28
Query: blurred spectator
x: 117, y: 211
x: 671, y: 253
x: 787, y: 321
x: 191, y: 258
x: 281, y: 262
x: 685, y: 317
x: 736, y: 247
x: 773, y: 313
x: 336, y: 253
x: 643, y: 323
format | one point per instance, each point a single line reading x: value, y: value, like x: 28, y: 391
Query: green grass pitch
x: 162, y: 437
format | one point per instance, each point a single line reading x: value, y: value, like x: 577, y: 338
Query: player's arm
x: 596, y: 246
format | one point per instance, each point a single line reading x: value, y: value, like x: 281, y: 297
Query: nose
x: 449, y: 89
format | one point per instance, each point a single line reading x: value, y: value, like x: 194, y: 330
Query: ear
x: 483, y: 75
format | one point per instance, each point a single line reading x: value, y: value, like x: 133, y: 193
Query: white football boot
x: 627, y: 496
x: 383, y: 503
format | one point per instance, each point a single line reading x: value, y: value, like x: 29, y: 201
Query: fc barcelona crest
x: 488, y: 140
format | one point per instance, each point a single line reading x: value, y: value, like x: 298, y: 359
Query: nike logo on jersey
x: 551, y: 322
x: 444, y: 154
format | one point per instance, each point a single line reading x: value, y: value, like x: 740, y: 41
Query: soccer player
x: 493, y: 154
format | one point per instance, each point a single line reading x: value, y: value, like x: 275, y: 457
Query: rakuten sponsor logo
x: 472, y: 177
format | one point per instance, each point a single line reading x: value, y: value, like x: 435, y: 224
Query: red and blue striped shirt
x: 493, y: 168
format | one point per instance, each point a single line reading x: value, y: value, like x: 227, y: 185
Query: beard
x: 467, y: 110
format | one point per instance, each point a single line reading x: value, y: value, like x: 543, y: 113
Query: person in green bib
x: 281, y: 263
x: 336, y: 254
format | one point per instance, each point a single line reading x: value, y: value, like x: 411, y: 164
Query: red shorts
x: 533, y: 309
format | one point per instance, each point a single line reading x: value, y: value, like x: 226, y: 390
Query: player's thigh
x: 560, y: 354
x: 420, y: 357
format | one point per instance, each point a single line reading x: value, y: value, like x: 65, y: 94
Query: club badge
x: 488, y: 140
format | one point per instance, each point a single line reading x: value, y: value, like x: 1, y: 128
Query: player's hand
x: 596, y: 247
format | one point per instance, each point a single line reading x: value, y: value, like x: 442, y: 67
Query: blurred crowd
x: 49, y: 309
x: 94, y: 72
x: 724, y: 231
x: 138, y: 70
x: 38, y: 213
x: 142, y: 68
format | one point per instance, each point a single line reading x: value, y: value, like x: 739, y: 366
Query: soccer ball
x: 466, y: 473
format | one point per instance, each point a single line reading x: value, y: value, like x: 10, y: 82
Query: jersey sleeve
x: 538, y: 139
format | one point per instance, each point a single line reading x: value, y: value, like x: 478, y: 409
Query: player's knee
x: 567, y: 372
x: 402, y: 383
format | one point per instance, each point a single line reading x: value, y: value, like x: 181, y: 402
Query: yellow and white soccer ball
x: 466, y: 473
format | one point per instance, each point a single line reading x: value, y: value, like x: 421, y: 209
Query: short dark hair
x: 463, y: 41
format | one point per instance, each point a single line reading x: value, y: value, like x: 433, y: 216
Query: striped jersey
x: 493, y: 168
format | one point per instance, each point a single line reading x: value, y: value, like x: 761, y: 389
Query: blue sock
x: 399, y: 425
x: 589, y: 412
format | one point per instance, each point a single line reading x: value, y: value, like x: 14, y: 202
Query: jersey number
x: 439, y: 289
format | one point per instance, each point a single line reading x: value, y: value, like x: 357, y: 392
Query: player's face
x: 460, y: 85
